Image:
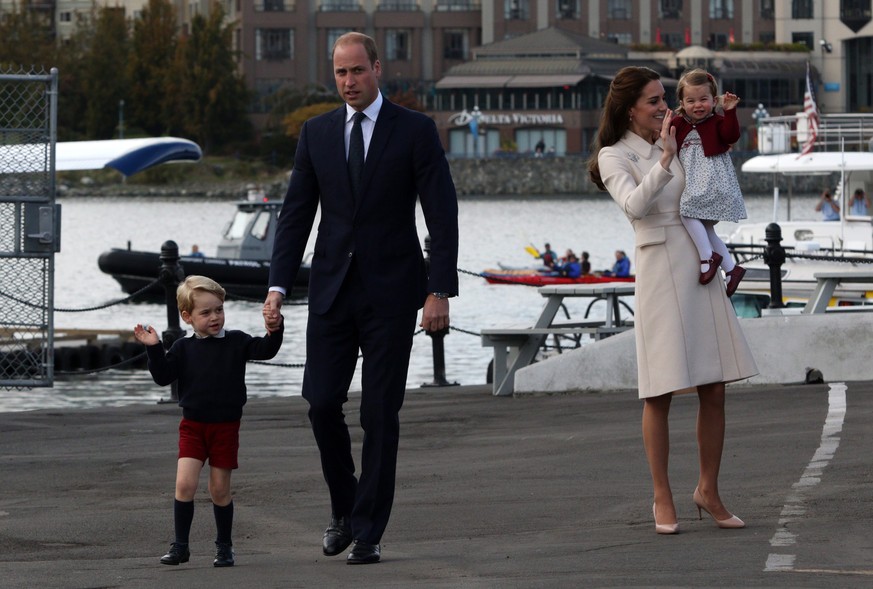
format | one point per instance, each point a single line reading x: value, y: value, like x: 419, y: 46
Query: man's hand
x: 271, y: 311
x: 435, y: 315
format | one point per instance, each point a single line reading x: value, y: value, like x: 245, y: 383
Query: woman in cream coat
x: 687, y: 334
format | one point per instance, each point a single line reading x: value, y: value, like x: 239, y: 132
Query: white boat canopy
x: 128, y: 156
x: 817, y: 162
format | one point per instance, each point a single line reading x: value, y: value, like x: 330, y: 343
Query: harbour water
x: 492, y: 230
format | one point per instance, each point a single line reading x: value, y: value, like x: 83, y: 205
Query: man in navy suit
x: 367, y: 281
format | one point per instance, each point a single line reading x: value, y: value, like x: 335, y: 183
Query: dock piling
x: 774, y: 257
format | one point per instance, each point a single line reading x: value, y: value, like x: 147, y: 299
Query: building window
x: 673, y: 40
x: 717, y: 41
x: 805, y: 38
x: 332, y: 36
x: 768, y: 11
x: 767, y: 37
x: 274, y: 44
x: 270, y: 6
x: 397, y: 45
x: 721, y: 9
x: 619, y: 9
x: 621, y: 38
x: 801, y: 8
x: 456, y: 44
x: 670, y: 8
x: 65, y: 16
x: 516, y: 9
x: 568, y: 9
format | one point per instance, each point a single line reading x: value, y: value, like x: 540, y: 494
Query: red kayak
x: 535, y: 278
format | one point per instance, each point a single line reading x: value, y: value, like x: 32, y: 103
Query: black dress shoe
x: 223, y: 555
x: 177, y: 554
x: 363, y: 553
x: 337, y: 536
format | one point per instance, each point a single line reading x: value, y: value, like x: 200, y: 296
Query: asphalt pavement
x: 529, y: 491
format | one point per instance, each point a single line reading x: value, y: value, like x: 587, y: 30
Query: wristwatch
x: 441, y: 295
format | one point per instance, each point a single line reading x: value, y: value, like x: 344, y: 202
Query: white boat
x: 811, y: 246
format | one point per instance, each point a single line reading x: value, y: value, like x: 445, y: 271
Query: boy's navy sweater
x: 211, y: 371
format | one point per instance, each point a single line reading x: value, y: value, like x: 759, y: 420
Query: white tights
x: 707, y: 241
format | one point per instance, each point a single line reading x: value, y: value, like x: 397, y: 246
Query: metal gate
x: 29, y: 227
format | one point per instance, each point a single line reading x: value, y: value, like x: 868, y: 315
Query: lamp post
x: 474, y: 128
x: 121, y: 119
x: 760, y: 113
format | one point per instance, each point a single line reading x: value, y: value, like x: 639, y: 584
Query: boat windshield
x: 237, y: 229
x: 259, y: 228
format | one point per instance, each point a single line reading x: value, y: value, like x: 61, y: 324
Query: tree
x: 151, y: 59
x: 105, y: 72
x: 213, y: 96
x: 294, y: 121
x: 26, y: 40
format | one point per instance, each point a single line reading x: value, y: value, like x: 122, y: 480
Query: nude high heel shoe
x: 664, y: 528
x: 731, y: 522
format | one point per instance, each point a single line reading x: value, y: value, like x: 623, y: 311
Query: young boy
x: 210, y: 369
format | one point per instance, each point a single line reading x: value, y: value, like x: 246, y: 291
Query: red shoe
x: 734, y: 277
x: 714, y: 262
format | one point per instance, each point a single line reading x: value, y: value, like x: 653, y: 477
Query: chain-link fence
x: 29, y: 226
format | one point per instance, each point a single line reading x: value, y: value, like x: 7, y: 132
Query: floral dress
x: 711, y: 188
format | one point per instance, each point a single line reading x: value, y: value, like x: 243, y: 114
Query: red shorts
x: 218, y: 442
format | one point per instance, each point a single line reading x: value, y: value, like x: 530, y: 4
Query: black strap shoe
x: 363, y: 553
x: 223, y: 555
x: 177, y: 554
x: 337, y: 536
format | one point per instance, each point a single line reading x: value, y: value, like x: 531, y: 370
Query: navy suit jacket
x: 405, y: 162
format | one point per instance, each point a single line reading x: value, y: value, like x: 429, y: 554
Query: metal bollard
x: 439, y: 360
x: 774, y: 257
x: 171, y: 275
x: 437, y: 337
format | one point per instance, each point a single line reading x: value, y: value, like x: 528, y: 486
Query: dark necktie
x: 356, y: 154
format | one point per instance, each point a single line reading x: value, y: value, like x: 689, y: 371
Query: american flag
x: 811, y: 112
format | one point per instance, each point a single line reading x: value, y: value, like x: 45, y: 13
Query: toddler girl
x: 712, y: 193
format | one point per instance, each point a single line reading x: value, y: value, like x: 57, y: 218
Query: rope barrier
x: 84, y: 309
x: 130, y: 360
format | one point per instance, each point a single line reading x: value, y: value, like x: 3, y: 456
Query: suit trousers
x: 332, y: 343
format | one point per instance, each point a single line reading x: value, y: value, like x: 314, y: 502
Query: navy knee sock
x: 183, y: 515
x: 223, y: 522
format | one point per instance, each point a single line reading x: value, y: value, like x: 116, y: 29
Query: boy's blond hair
x: 192, y: 284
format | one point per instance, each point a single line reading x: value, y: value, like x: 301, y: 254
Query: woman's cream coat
x: 687, y: 334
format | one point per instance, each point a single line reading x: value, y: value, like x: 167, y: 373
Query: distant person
x: 585, y: 264
x: 621, y: 268
x: 210, y: 369
x: 540, y: 148
x: 828, y: 207
x: 712, y: 192
x: 860, y: 204
x: 571, y: 268
x: 548, y: 257
x: 195, y: 252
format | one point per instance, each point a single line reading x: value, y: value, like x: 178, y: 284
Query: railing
x: 848, y: 132
x: 458, y: 5
x: 398, y: 6
x: 346, y: 6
